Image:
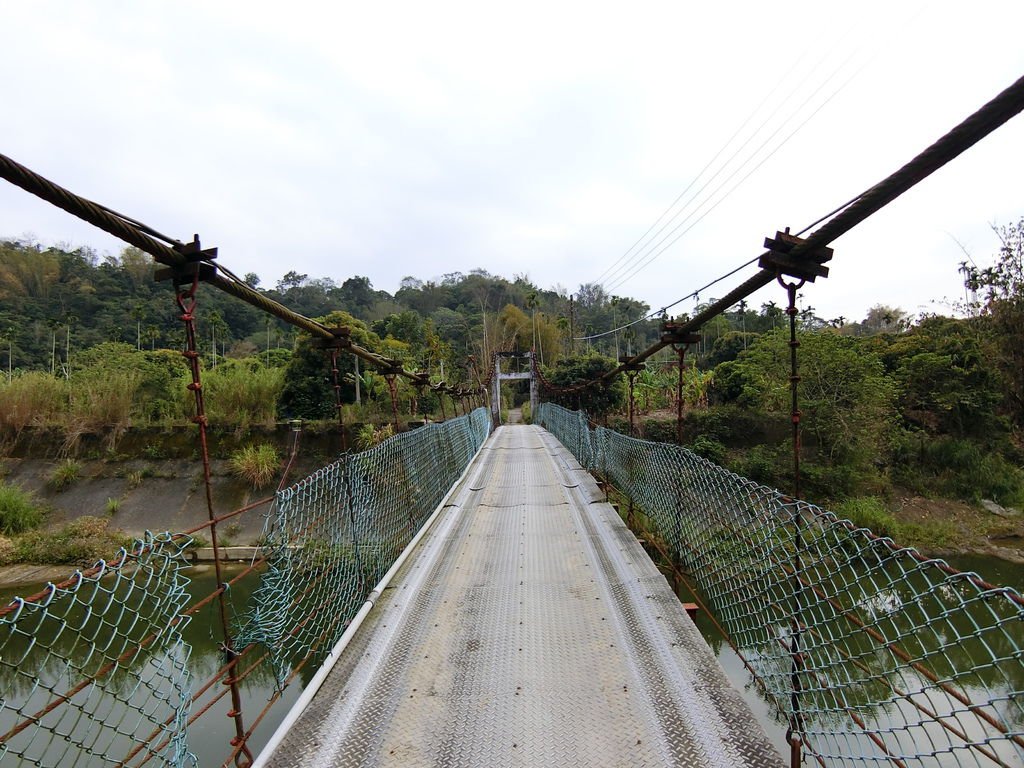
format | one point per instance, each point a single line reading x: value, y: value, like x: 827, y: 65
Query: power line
x: 617, y: 271
x: 667, y: 307
x: 662, y: 246
x: 651, y: 257
x: 703, y: 170
x: 625, y: 275
x: 955, y: 142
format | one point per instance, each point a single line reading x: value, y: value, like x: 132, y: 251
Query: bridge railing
x: 870, y: 652
x: 95, y: 671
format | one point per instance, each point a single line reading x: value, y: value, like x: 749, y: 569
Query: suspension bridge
x: 458, y: 595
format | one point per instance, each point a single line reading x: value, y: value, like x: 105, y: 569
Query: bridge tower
x: 518, y: 374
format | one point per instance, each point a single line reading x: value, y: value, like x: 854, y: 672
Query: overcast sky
x: 393, y: 139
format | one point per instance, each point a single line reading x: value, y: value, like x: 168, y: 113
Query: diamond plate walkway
x: 529, y: 628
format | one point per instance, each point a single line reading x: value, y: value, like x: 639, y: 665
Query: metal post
x: 534, y: 396
x: 681, y: 351
x: 393, y: 389
x: 337, y: 399
x: 496, y: 393
x: 631, y: 377
x: 186, y: 300
x: 795, y: 731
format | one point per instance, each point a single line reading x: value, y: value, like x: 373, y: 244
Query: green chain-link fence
x: 97, y: 664
x: 333, y: 535
x: 95, y: 670
x: 871, y: 652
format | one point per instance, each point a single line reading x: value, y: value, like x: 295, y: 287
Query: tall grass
x: 256, y: 464
x: 64, y: 474
x: 103, y: 400
x: 19, y: 510
x: 32, y: 399
x: 241, y: 396
x: 82, y: 541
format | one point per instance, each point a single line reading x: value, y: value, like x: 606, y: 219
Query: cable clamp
x: 197, y: 261
x: 804, y: 264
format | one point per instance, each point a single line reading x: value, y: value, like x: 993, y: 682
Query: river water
x: 210, y: 735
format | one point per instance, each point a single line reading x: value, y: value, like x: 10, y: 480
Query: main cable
x: 996, y: 112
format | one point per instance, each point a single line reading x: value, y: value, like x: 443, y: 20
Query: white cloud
x: 402, y: 138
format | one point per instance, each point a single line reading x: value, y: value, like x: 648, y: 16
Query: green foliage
x: 943, y: 371
x: 872, y: 513
x: 19, y: 510
x: 600, y: 396
x: 112, y: 507
x: 1003, y: 313
x: 956, y: 468
x: 846, y: 400
x: 308, y: 391
x: 868, y: 512
x: 368, y: 435
x: 659, y: 430
x: 82, y: 541
x: 154, y: 380
x: 709, y: 448
x: 527, y: 415
x: 64, y: 474
x: 256, y: 464
x: 728, y: 347
x: 766, y: 464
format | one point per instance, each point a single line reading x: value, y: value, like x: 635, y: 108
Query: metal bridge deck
x: 528, y: 629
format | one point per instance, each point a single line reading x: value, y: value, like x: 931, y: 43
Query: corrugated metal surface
x: 530, y: 629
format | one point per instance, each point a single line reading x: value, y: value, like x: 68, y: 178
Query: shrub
x: 957, y: 468
x: 8, y: 552
x: 709, y: 448
x: 660, y: 430
x: 869, y: 512
x: 81, y: 542
x: 18, y: 510
x: 256, y: 464
x: 64, y: 475
x: 113, y: 505
x: 368, y: 436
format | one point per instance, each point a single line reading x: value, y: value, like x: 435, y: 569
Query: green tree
x: 308, y: 389
x: 846, y: 400
x: 1004, y: 312
x: 600, y: 396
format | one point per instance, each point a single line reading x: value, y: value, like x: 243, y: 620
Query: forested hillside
x: 58, y: 302
x: 932, y: 404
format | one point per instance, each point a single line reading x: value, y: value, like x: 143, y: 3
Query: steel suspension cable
x: 149, y: 240
x: 973, y: 129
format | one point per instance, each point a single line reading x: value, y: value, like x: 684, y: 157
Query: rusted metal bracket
x: 341, y: 338
x: 671, y: 333
x: 391, y: 367
x: 197, y: 260
x: 805, y: 266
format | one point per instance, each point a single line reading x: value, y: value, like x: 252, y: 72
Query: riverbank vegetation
x: 892, y: 406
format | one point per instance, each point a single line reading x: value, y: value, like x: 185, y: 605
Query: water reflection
x: 916, y: 662
x: 142, y: 676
